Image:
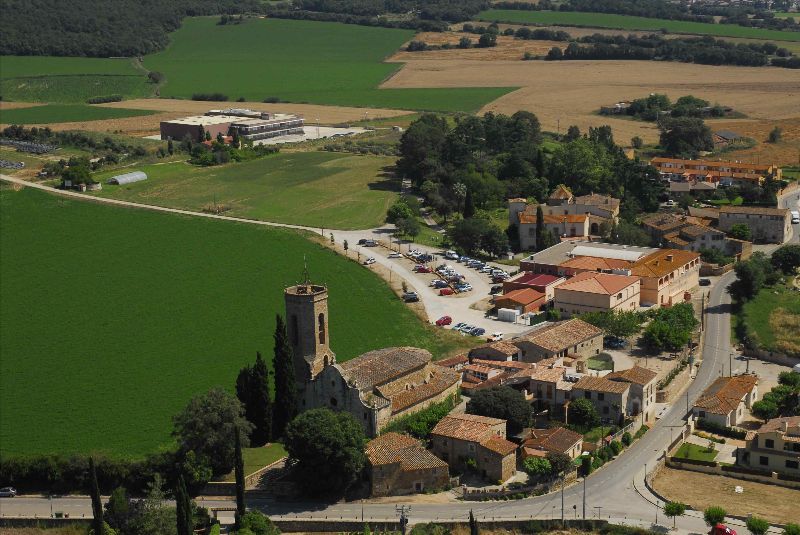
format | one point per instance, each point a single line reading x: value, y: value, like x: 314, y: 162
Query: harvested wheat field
x: 784, y: 152
x: 6, y: 105
x: 507, y: 48
x: 573, y: 91
x: 774, y: 503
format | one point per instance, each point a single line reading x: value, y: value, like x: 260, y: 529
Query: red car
x: 419, y: 268
x: 446, y: 291
x: 444, y: 320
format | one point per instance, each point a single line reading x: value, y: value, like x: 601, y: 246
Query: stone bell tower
x: 307, y: 327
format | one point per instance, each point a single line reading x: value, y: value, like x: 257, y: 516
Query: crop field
x: 69, y: 80
x: 299, y: 61
x: 63, y: 113
x: 321, y: 189
x: 626, y: 22
x: 112, y: 318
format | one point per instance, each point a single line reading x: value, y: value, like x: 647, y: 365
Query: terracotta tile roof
x: 594, y: 263
x: 499, y: 445
x: 523, y: 297
x: 675, y: 240
x: 518, y: 199
x: 529, y: 218
x: 533, y: 279
x: 776, y: 424
x: 753, y: 210
x: 597, y: 283
x: 557, y: 439
x: 659, y: 263
x: 663, y: 222
x: 710, y: 164
x: 479, y: 369
x: 469, y: 427
x: 596, y: 199
x: 561, y: 335
x: 443, y: 378
x: 511, y: 365
x: 561, y: 193
x: 382, y: 365
x: 637, y: 375
x: 548, y: 375
x: 694, y: 231
x: 396, y: 448
x: 601, y: 384
x: 725, y: 393
x: 452, y: 361
x: 506, y: 348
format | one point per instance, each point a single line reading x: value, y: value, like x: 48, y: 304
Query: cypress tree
x: 540, y: 230
x: 262, y: 404
x: 473, y: 524
x: 183, y: 508
x: 97, y: 504
x: 239, y: 472
x: 469, y: 205
x: 285, y: 407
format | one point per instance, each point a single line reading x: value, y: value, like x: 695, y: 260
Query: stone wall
x: 772, y: 356
x: 391, y: 480
x: 720, y: 470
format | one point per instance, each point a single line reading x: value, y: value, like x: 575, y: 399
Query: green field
x: 69, y: 80
x: 64, y: 113
x: 320, y: 189
x: 112, y: 318
x: 774, y: 317
x: 626, y: 22
x: 257, y: 458
x: 299, y: 61
x: 786, y: 15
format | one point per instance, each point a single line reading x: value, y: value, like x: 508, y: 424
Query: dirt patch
x: 563, y: 93
x: 786, y: 327
x: 776, y: 504
x: 785, y: 152
x: 5, y: 105
x: 326, y: 114
x: 507, y: 48
x: 132, y: 126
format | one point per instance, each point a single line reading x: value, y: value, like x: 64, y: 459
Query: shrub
x: 791, y: 529
x: 627, y: 439
x: 420, y: 424
x: 537, y: 467
x: 640, y: 433
x: 757, y: 526
x: 616, y: 447
x: 107, y: 98
x: 587, y: 465
x: 714, y: 515
x: 214, y: 97
x: 712, y: 427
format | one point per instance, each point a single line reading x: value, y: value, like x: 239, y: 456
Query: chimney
x: 669, y: 258
x: 785, y: 426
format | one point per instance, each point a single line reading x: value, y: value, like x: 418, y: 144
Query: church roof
x: 443, y: 378
x: 383, y: 365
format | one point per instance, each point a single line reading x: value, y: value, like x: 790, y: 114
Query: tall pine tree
x: 183, y: 507
x: 469, y: 205
x: 238, y: 468
x: 97, y: 504
x: 252, y: 389
x: 285, y: 408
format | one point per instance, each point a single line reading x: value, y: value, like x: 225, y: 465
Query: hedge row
x: 712, y: 427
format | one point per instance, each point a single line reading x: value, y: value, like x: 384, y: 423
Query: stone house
x: 690, y: 234
x: 667, y: 275
x: 540, y: 442
x: 610, y: 398
x: 560, y: 339
x: 642, y: 393
x: 597, y: 292
x: 398, y: 464
x: 775, y: 446
x: 550, y: 389
x: 467, y: 438
x: 375, y: 387
x: 725, y: 401
x: 768, y: 225
x: 539, y: 282
x: 502, y: 351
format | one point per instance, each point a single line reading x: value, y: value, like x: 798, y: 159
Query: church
x: 376, y: 387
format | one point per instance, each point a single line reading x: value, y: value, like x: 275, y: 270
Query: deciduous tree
x: 502, y: 402
x: 674, y: 510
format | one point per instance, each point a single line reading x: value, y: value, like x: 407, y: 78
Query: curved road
x: 616, y: 491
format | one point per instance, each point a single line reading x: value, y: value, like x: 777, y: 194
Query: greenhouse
x: 127, y: 178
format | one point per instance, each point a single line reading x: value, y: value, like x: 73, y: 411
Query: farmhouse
x: 458, y: 438
x: 770, y: 225
x: 725, y: 400
x: 597, y: 292
x: 775, y: 446
x: 375, y: 387
x: 689, y: 234
x: 610, y: 398
x: 399, y: 464
x: 717, y: 172
x: 642, y: 392
x: 570, y: 337
x: 540, y: 442
x: 248, y: 124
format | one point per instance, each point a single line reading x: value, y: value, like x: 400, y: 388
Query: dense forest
x: 100, y: 29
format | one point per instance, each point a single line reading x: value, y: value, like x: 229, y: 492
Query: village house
x: 458, y: 438
x: 375, y: 387
x: 539, y: 282
x: 667, y: 275
x: 642, y: 393
x: 399, y: 464
x: 716, y: 172
x: 688, y: 234
x: 768, y: 225
x: 550, y: 388
x: 524, y: 300
x: 572, y: 337
x: 610, y: 398
x: 597, y: 292
x: 724, y: 402
x: 540, y: 442
x: 456, y: 363
x: 775, y: 446
x: 500, y: 351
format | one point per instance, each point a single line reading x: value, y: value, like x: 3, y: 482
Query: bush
x: 627, y: 439
x: 791, y: 529
x: 757, y: 526
x: 107, y: 98
x: 537, y: 467
x: 214, y: 97
x: 587, y: 465
x: 616, y: 447
x: 640, y: 433
x: 420, y: 424
x: 712, y: 427
x: 714, y: 515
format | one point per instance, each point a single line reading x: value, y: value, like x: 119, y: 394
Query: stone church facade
x: 375, y: 387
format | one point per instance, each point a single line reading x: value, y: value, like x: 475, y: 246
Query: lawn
x: 69, y: 80
x: 111, y: 319
x: 321, y: 189
x: 64, y: 113
x: 601, y: 362
x: 626, y: 22
x: 774, y: 316
x: 299, y: 61
x: 695, y: 452
x: 257, y: 458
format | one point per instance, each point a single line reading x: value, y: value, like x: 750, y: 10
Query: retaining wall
x: 719, y: 470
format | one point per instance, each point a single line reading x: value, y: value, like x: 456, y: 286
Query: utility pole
x: 403, y: 510
x: 562, y: 501
x: 598, y: 511
x: 584, y: 497
x: 730, y: 364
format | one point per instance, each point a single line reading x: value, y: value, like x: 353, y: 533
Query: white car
x: 369, y: 261
x: 495, y: 337
x: 395, y: 255
x: 451, y: 255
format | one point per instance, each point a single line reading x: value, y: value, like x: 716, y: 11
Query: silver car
x: 8, y: 492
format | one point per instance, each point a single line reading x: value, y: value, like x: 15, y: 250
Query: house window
x: 418, y: 487
x: 587, y: 395
x: 791, y: 464
x: 605, y: 409
x: 334, y: 402
x: 769, y: 443
x: 471, y: 447
x: 601, y: 396
x: 321, y: 320
x: 763, y: 461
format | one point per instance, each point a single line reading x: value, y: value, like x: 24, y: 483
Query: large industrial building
x: 249, y: 124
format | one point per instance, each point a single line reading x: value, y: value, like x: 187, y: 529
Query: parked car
x: 494, y: 290
x: 498, y: 278
x: 486, y: 269
x: 395, y: 255
x: 444, y: 320
x: 451, y: 255
x: 362, y: 241
x: 467, y: 328
x: 477, y: 331
x: 8, y: 492
x: 370, y: 243
x: 464, y: 287
x: 425, y: 258
x: 458, y: 326
x: 439, y: 283
x: 446, y: 291
x: 421, y: 268
x: 369, y: 261
x: 463, y: 259
x: 495, y: 337
x: 705, y: 282
x: 410, y: 297
x: 613, y: 342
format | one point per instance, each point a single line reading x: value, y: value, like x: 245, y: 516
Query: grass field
x: 257, y: 458
x: 774, y: 315
x: 64, y: 113
x: 626, y: 22
x: 112, y: 318
x: 299, y: 61
x: 695, y: 452
x: 319, y: 189
x: 69, y: 80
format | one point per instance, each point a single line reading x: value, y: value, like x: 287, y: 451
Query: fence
x: 737, y: 472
